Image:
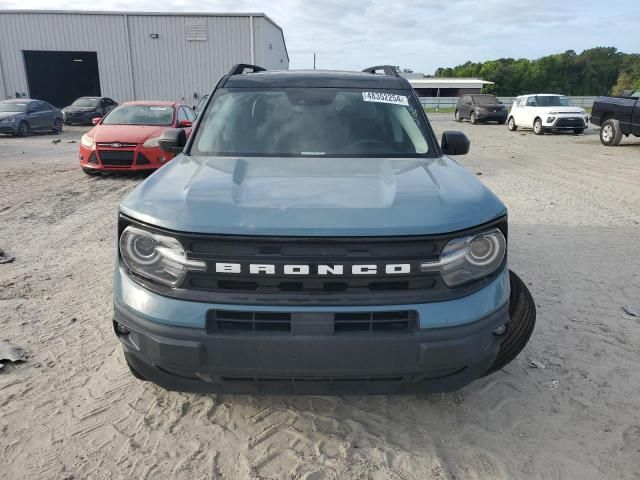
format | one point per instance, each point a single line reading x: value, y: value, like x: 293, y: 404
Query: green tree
x: 594, y: 71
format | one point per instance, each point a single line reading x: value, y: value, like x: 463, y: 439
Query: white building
x: 58, y: 56
x: 427, y: 86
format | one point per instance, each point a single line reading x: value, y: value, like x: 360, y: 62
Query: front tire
x: 472, y: 118
x: 610, y: 133
x: 511, y: 124
x: 57, y: 126
x: 23, y: 129
x: 538, y: 129
x: 457, y: 116
x: 522, y: 314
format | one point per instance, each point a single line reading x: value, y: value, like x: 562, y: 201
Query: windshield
x: 86, y: 102
x: 486, y: 100
x: 311, y: 122
x: 13, y: 107
x: 552, y: 101
x: 140, y: 115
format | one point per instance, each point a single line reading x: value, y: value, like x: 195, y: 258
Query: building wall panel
x: 270, y: 48
x: 133, y: 65
x: 103, y: 34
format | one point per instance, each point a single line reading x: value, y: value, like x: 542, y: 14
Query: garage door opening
x: 61, y: 77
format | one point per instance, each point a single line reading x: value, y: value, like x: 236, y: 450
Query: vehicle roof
x: 315, y: 79
x: 153, y: 103
x: 19, y: 100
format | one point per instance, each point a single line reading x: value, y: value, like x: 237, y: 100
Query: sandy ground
x: 74, y: 411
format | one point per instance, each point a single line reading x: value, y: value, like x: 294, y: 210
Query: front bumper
x: 186, y: 359
x: 566, y: 122
x: 453, y: 350
x: 9, y: 128
x: 488, y: 116
x: 142, y: 159
x: 79, y: 118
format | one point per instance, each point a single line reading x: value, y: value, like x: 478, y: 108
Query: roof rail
x: 387, y: 69
x: 241, y: 67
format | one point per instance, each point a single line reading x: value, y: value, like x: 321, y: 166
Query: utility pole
x: 314, y: 60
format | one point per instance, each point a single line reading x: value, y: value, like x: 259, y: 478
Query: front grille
x: 250, y: 322
x: 312, y: 252
x: 116, y: 158
x: 570, y: 123
x: 317, y: 286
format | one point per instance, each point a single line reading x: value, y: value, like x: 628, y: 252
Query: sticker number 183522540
x: 381, y: 97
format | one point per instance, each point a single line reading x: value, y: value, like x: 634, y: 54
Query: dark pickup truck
x: 617, y: 116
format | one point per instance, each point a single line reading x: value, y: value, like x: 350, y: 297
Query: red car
x: 127, y: 138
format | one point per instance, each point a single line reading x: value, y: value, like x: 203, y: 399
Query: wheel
x: 610, y: 133
x: 134, y: 372
x: 91, y: 172
x: 511, y: 124
x: 23, y: 129
x: 538, y: 129
x: 457, y: 116
x: 57, y: 126
x: 472, y: 118
x: 522, y: 312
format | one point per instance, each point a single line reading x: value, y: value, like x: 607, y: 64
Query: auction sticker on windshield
x: 381, y: 97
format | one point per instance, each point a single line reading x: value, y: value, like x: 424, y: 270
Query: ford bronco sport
x: 312, y: 236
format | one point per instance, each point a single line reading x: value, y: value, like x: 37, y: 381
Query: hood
x: 71, y: 109
x: 4, y: 115
x: 313, y: 196
x: 125, y: 133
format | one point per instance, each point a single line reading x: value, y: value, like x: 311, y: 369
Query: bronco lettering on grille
x: 305, y: 269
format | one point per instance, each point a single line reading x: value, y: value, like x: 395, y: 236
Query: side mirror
x: 454, y: 143
x: 96, y: 120
x: 185, y: 123
x: 173, y: 140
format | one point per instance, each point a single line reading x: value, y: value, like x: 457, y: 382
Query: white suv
x: 546, y: 112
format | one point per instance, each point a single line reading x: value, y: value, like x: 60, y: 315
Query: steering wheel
x: 366, y: 141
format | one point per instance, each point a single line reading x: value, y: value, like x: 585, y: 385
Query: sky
x: 421, y: 34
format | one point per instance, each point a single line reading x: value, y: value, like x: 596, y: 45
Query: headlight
x: 469, y: 258
x: 8, y: 120
x: 152, y: 142
x: 553, y: 113
x: 86, y: 141
x: 157, y: 257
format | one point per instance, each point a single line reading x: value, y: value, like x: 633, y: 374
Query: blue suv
x: 312, y: 236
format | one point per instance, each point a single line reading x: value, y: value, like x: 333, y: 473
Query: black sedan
x: 22, y: 116
x: 85, y: 109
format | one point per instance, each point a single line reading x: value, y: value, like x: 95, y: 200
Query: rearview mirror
x: 454, y: 143
x: 173, y: 140
x: 96, y: 120
x: 185, y: 123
